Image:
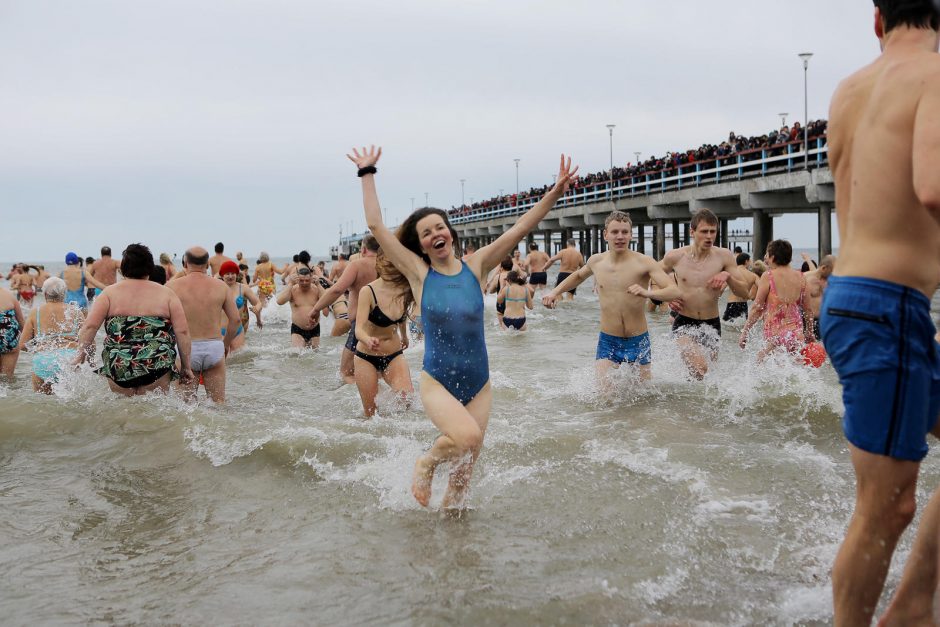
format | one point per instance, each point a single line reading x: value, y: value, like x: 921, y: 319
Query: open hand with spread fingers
x: 365, y: 158
x: 565, y: 175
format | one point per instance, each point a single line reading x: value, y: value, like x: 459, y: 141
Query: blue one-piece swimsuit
x: 454, y: 345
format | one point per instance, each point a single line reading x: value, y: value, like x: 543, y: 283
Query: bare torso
x: 203, y: 299
x: 748, y: 277
x: 883, y: 227
x: 537, y: 261
x: 815, y: 286
x: 365, y: 274
x: 302, y: 302
x: 105, y: 270
x: 571, y: 260
x: 622, y: 313
x: 699, y: 301
x: 216, y: 261
x: 389, y: 301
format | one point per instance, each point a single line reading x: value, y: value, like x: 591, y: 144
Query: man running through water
x: 218, y: 259
x: 884, y: 151
x: 538, y: 263
x: 302, y: 294
x: 358, y: 274
x: 620, y: 275
x: 816, y: 281
x: 204, y: 300
x: 571, y: 261
x: 736, y: 307
x: 702, y: 271
x: 105, y: 269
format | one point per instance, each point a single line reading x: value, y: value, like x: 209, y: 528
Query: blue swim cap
x: 72, y: 259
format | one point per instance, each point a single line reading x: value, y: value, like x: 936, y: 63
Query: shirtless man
x: 105, y: 269
x: 571, y: 260
x: 338, y: 268
x: 538, y: 264
x: 884, y: 151
x: 816, y: 281
x: 204, y: 299
x: 469, y: 249
x: 218, y: 259
x: 702, y: 271
x: 358, y: 274
x: 736, y: 307
x: 302, y: 294
x: 620, y: 274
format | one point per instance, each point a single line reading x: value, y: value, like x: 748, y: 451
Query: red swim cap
x: 229, y: 267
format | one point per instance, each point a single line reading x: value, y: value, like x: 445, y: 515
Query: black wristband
x: 369, y: 170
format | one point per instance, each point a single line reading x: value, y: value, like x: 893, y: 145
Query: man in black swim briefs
x: 303, y: 295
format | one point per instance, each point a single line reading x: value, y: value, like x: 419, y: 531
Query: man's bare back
x: 571, y: 260
x: 105, y: 270
x: 216, y: 261
x: 537, y: 261
x: 883, y: 225
x: 204, y: 299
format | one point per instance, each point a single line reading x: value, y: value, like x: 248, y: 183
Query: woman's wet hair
x: 515, y: 277
x: 390, y: 274
x: 53, y: 289
x: 263, y: 257
x: 136, y: 262
x: 781, y: 250
x: 407, y: 233
x: 304, y: 257
x: 165, y: 258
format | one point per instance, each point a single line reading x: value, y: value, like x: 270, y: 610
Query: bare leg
x: 347, y: 366
x: 340, y: 327
x: 602, y: 368
x: 297, y: 341
x: 398, y: 377
x: 367, y: 380
x: 8, y: 363
x: 693, y: 354
x: 884, y: 507
x: 459, y: 482
x: 461, y: 431
x: 314, y: 343
x: 214, y: 381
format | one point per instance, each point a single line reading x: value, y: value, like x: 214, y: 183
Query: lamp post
x: 462, y: 203
x: 517, y: 177
x: 610, y: 190
x: 783, y: 118
x: 638, y: 153
x: 427, y: 203
x: 412, y: 204
x: 805, y: 56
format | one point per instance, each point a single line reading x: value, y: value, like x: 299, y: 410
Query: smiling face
x: 618, y: 235
x: 435, y: 237
x: 230, y: 278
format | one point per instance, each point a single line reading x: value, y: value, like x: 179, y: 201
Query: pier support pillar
x: 581, y: 243
x: 723, y: 232
x: 595, y: 230
x: 548, y: 242
x: 529, y: 240
x: 641, y: 239
x: 825, y: 229
x: 685, y: 233
x: 675, y: 234
x: 763, y: 232
x: 660, y: 239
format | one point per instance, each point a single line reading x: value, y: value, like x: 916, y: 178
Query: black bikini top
x: 378, y: 317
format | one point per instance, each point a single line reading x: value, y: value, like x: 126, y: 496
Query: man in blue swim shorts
x: 884, y: 152
x: 619, y: 274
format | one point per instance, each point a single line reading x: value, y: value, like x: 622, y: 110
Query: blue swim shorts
x: 636, y: 349
x: 880, y: 339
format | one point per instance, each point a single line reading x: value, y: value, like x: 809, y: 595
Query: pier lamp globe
x: 610, y: 189
x: 783, y: 118
x: 805, y: 57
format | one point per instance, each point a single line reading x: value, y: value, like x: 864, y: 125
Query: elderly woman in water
x: 144, y: 323
x: 455, y: 384
x: 51, y: 335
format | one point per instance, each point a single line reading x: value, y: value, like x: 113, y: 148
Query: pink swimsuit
x: 783, y: 321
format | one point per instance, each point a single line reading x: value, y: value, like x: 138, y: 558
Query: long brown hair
x: 390, y: 274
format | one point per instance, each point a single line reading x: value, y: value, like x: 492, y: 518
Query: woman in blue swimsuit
x: 11, y: 323
x: 455, y: 383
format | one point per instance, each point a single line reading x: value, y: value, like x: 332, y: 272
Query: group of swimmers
x: 871, y: 310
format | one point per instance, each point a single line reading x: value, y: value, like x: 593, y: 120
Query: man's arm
x: 926, y: 148
x: 183, y: 339
x: 346, y: 281
x: 668, y: 290
x: 234, y: 320
x: 283, y: 297
x: 573, y: 281
x: 730, y: 276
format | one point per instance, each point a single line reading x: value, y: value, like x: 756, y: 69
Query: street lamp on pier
x: 805, y: 56
x: 517, y: 176
x: 462, y: 203
x: 610, y: 190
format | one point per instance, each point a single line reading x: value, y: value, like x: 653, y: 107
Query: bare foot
x: 421, y: 484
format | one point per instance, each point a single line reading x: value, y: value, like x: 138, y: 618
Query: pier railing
x: 741, y: 165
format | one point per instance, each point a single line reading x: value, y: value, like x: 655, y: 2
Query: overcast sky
x: 176, y: 123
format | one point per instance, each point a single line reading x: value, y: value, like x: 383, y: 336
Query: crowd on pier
x: 749, y: 148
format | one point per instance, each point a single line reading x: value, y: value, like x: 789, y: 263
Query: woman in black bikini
x: 380, y: 329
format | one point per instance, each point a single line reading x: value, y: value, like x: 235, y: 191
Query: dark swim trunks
x: 307, y: 334
x: 705, y: 332
x: 538, y: 278
x: 351, y: 337
x: 733, y: 311
x: 561, y: 277
x: 880, y: 339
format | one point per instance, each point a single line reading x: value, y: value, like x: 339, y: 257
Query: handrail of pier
x: 673, y: 178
